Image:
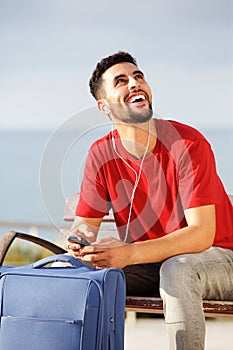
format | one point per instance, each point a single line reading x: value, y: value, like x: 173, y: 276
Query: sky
x: 49, y: 49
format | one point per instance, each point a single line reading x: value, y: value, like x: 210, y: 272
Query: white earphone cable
x: 137, y: 175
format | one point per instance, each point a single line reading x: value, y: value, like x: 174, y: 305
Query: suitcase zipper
x: 35, y: 319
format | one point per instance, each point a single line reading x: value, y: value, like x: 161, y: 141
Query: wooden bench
x: 212, y: 308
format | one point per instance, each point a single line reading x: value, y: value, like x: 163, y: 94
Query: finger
x: 75, y: 254
x: 94, y: 258
x: 102, y: 264
x: 92, y: 249
x: 100, y: 245
x: 73, y: 246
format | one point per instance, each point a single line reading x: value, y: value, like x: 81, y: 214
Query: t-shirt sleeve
x: 198, y: 178
x: 93, y: 201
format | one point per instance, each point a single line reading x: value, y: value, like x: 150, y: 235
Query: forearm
x: 191, y: 239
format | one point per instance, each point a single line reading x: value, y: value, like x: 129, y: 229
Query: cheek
x: 118, y: 95
x: 148, y: 90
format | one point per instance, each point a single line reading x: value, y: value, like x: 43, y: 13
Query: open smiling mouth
x: 136, y: 98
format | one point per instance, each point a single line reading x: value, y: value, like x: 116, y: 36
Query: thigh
x: 142, y: 279
x: 211, y: 271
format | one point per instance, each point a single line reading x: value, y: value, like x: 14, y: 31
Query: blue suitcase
x: 61, y: 308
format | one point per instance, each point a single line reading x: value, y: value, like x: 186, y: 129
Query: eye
x: 120, y: 81
x: 139, y: 76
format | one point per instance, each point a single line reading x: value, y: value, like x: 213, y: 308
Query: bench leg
x: 131, y: 317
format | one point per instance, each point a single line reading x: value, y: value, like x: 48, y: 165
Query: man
x: 174, y: 218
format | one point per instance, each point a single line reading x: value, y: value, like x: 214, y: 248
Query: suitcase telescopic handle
x: 58, y: 258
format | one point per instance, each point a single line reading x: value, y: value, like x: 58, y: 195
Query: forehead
x: 124, y: 68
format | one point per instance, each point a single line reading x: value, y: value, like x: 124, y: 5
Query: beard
x: 127, y: 113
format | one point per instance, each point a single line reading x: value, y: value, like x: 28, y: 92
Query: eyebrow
x: 124, y: 75
x: 119, y: 76
x: 138, y: 72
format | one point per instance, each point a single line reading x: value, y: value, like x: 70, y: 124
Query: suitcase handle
x: 59, y: 258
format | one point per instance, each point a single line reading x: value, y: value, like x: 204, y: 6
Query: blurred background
x: 48, y: 51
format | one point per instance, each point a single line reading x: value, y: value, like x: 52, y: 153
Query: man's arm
x: 196, y: 237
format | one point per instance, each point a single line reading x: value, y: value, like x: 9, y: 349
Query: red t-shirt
x: 180, y: 173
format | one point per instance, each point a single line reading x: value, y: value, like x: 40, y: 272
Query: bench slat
x: 212, y: 308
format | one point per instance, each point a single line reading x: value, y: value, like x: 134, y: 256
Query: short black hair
x: 107, y: 62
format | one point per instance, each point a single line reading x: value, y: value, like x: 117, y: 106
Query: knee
x: 177, y: 274
x: 176, y: 267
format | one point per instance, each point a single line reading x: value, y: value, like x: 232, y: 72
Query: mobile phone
x: 75, y: 239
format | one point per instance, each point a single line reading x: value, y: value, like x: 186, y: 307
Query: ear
x: 102, y: 106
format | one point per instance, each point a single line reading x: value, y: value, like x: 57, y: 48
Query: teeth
x: 137, y: 97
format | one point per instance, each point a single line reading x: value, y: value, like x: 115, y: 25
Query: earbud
x: 106, y: 109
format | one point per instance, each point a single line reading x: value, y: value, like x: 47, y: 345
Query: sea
x: 41, y: 168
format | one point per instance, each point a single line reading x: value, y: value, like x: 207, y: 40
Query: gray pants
x: 183, y: 282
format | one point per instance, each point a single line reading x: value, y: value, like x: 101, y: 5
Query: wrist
x: 134, y: 254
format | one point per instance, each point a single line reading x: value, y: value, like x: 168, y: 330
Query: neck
x: 138, y: 138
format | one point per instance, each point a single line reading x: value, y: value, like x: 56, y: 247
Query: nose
x: 132, y: 83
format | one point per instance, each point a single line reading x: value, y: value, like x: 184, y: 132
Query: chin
x: 131, y: 115
x: 141, y: 116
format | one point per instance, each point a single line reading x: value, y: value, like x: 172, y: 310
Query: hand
x: 107, y: 252
x: 86, y: 228
x: 82, y: 231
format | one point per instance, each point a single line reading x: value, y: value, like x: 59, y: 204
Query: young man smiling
x: 174, y: 218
